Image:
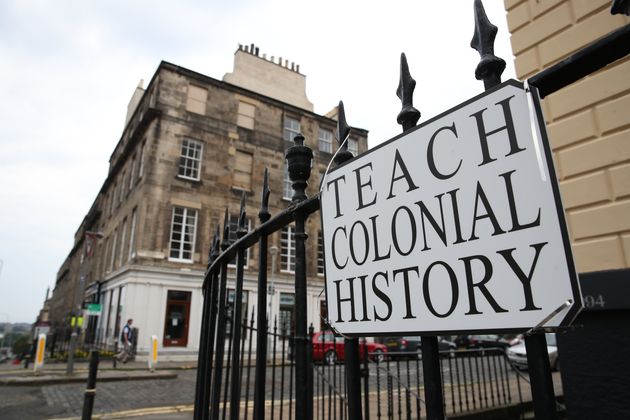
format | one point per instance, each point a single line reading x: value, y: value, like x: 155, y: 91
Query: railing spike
x: 342, y: 133
x: 264, y: 214
x: 343, y: 129
x: 213, y: 254
x: 212, y: 251
x: 408, y: 116
x: 226, y: 230
x: 242, y: 215
x: 490, y: 66
x: 216, y: 242
x: 620, y: 7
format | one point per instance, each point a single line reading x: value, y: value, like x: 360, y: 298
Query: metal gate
x: 233, y: 379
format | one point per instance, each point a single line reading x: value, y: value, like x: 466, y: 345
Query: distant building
x: 191, y: 147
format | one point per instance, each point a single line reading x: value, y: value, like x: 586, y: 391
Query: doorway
x: 177, y: 316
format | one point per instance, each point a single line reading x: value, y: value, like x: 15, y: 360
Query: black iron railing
x: 290, y: 378
x: 392, y: 382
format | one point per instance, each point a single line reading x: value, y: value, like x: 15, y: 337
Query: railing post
x: 299, y: 158
x: 220, y: 341
x: 235, y: 382
x: 366, y: 383
x: 543, y: 395
x: 351, y: 345
x: 202, y: 357
x: 90, y: 391
x: 433, y: 395
x: 206, y: 342
x: 489, y: 70
x: 261, y: 318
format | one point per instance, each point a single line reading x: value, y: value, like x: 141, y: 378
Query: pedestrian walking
x: 126, y: 337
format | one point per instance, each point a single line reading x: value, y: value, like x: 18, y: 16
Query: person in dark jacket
x: 126, y: 337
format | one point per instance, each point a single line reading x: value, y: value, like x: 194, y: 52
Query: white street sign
x: 455, y: 226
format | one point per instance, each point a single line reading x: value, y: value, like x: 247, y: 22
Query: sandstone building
x: 192, y: 145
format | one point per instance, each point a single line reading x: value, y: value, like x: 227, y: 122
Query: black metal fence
x: 391, y: 382
x: 286, y: 381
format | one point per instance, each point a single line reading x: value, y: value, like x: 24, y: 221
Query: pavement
x: 55, y: 373
x: 178, y: 412
x: 130, y: 391
x: 22, y: 389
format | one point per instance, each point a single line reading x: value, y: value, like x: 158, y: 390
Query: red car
x: 329, y: 349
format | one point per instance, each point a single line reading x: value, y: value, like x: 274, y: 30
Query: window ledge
x: 185, y: 178
x: 180, y: 260
x: 245, y: 267
x: 240, y: 190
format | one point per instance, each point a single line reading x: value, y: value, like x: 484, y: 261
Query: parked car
x: 462, y: 341
x: 329, y: 349
x: 517, y: 340
x: 487, y: 341
x: 404, y: 347
x: 518, y: 354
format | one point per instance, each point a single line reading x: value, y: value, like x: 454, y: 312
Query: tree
x: 22, y: 344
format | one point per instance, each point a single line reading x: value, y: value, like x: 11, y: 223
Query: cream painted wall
x: 268, y: 78
x: 588, y: 123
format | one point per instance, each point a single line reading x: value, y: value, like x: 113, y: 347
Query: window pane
x: 183, y: 233
x: 320, y: 253
x: 291, y: 128
x: 287, y: 189
x: 325, y: 141
x: 287, y: 253
x: 190, y: 159
x: 132, y: 237
x: 353, y: 147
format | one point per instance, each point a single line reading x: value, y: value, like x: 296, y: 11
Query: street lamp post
x: 88, y: 248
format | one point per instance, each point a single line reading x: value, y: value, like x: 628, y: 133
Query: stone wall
x: 588, y: 123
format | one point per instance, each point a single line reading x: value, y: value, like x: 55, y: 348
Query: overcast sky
x: 69, y: 68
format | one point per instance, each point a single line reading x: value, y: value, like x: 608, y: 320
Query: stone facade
x: 238, y: 133
x: 588, y: 123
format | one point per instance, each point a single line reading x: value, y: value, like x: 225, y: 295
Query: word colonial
x: 455, y: 226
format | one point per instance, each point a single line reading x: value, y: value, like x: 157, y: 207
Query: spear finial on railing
x: 225, y: 244
x: 343, y: 131
x: 263, y: 214
x: 490, y: 66
x: 242, y: 215
x: 620, y: 7
x: 216, y: 242
x: 299, y: 161
x: 408, y: 116
x: 213, y: 252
